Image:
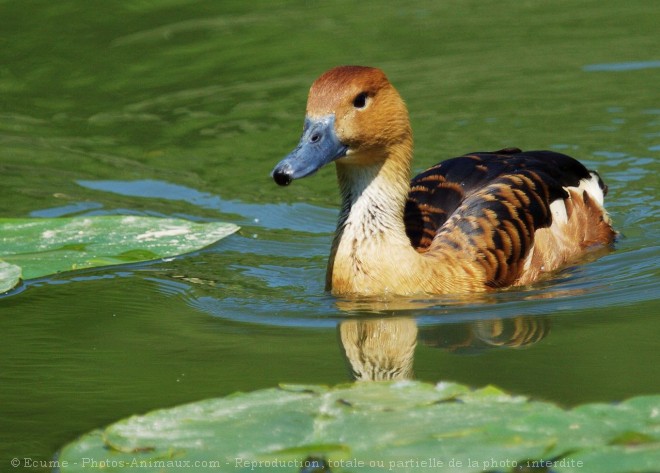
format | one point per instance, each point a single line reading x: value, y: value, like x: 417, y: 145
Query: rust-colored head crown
x: 329, y: 92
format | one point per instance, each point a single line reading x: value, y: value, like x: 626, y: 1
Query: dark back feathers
x: 489, y: 203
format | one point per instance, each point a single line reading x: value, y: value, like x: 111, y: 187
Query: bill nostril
x: 315, y: 137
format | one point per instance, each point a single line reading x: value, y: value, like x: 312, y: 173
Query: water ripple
x: 621, y: 66
x: 274, y: 216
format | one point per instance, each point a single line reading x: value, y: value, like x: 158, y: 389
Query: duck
x: 480, y: 222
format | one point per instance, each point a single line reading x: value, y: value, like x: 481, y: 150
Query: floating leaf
x: 374, y: 427
x: 10, y: 275
x: 42, y: 246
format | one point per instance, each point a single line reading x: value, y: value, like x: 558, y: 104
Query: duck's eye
x: 360, y: 100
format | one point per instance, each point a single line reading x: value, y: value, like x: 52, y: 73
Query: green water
x: 181, y: 108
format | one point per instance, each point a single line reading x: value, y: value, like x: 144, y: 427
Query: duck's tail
x: 579, y: 223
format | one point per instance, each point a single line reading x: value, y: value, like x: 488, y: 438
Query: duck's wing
x: 489, y: 206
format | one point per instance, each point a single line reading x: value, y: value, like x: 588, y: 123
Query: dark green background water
x: 181, y: 108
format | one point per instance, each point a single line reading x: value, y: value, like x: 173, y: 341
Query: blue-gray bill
x: 318, y: 146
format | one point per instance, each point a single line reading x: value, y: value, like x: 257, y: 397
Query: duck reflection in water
x: 382, y: 349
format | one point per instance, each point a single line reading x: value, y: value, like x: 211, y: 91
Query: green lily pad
x: 43, y: 246
x: 375, y: 427
x: 10, y: 275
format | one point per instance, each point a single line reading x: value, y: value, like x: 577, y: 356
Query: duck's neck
x: 371, y: 252
x: 375, y: 194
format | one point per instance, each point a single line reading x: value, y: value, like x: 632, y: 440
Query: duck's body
x: 473, y: 223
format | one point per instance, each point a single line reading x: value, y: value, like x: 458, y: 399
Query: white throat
x: 371, y: 246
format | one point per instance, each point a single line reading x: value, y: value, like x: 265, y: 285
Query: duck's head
x: 353, y: 116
